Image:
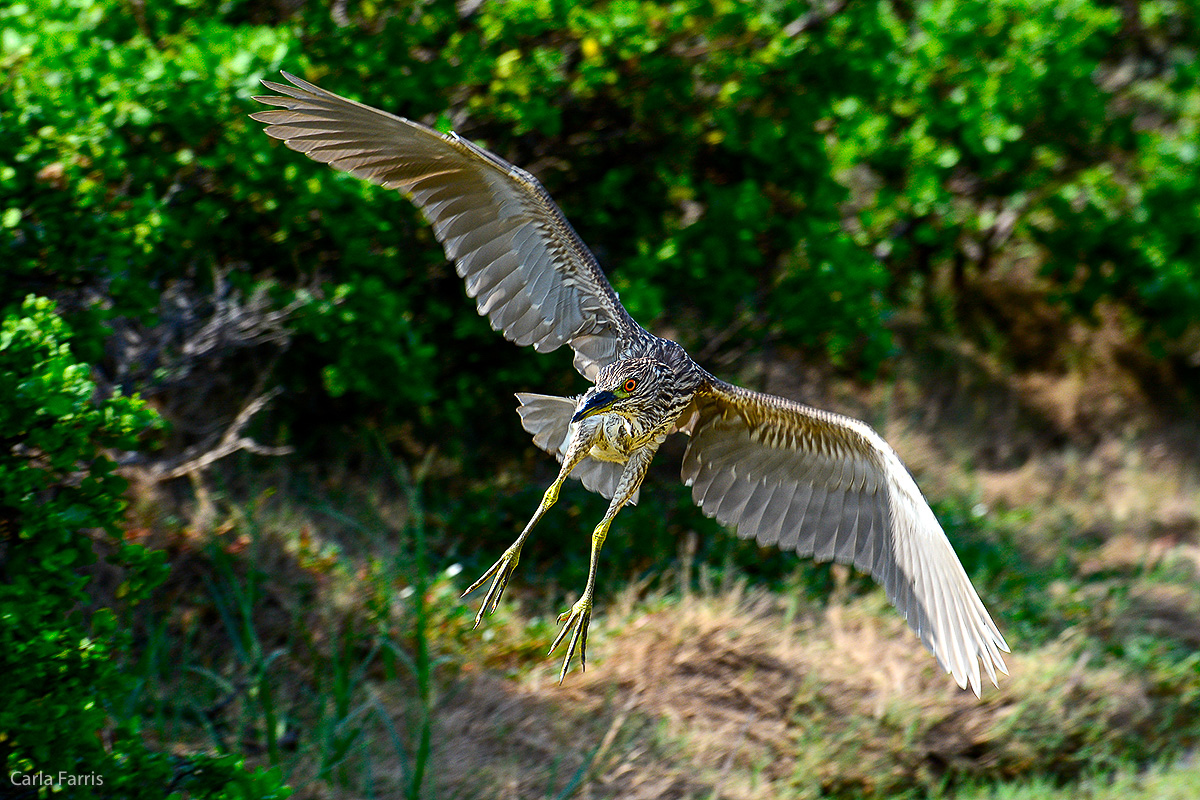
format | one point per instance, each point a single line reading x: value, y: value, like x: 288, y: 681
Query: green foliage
x: 1036, y: 131
x: 324, y: 659
x: 745, y: 167
x: 133, y: 165
x: 59, y: 655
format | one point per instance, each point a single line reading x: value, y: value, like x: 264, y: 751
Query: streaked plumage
x: 783, y: 473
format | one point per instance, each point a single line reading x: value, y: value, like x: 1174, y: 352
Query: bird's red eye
x: 630, y: 385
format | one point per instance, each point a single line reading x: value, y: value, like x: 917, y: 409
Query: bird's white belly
x: 612, y: 434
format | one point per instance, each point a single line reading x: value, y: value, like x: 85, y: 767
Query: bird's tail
x: 548, y: 419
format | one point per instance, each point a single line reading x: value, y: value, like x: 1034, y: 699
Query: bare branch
x: 199, y: 457
x: 814, y: 19
x: 194, y: 332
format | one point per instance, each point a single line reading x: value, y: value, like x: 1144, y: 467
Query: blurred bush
x: 1061, y: 136
x: 62, y: 679
x: 785, y: 173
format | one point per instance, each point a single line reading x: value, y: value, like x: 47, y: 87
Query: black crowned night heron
x: 783, y: 473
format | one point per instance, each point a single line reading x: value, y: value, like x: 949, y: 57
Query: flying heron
x: 783, y: 473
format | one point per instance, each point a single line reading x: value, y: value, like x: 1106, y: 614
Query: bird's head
x: 631, y: 387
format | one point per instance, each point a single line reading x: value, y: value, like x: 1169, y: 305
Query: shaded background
x: 975, y: 225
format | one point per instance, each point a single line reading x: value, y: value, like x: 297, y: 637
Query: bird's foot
x: 502, y: 569
x: 576, y: 620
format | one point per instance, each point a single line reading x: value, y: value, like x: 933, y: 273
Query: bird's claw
x: 502, y: 569
x: 575, y: 620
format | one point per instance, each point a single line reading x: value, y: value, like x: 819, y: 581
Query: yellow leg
x: 580, y: 615
x: 503, y: 568
x: 577, y: 618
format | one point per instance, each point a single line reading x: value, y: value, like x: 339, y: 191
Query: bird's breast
x: 613, y: 437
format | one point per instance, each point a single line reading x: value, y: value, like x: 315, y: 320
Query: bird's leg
x: 576, y: 619
x: 503, y: 568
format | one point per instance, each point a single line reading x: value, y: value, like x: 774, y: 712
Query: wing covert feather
x: 829, y: 486
x: 523, y: 263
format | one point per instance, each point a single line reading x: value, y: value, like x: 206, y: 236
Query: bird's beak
x: 596, y: 404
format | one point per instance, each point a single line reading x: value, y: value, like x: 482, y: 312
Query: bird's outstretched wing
x: 828, y: 486
x: 529, y: 272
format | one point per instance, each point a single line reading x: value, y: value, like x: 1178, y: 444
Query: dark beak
x: 600, y: 401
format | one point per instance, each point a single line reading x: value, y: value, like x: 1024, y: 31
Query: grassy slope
x: 301, y: 635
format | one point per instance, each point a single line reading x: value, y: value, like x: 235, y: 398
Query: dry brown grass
x: 735, y: 693
x: 724, y: 696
